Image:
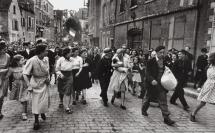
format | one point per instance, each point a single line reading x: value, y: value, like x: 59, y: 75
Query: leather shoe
x: 36, y: 126
x: 168, y: 121
x: 192, y: 118
x: 43, y: 116
x: 144, y: 113
x: 186, y: 108
x: 122, y: 107
x: 174, y: 103
x: 105, y: 104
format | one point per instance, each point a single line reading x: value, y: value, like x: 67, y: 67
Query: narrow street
x: 94, y: 117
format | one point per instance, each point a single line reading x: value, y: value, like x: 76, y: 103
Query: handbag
x: 168, y: 80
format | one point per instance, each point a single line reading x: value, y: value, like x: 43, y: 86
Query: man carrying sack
x: 154, y: 71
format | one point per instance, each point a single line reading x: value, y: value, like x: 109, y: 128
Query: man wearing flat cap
x: 104, y: 71
x: 154, y: 71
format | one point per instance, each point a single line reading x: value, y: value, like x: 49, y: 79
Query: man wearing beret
x: 154, y: 71
x: 105, y: 73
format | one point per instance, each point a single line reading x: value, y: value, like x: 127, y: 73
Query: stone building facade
x: 94, y: 20
x: 44, y: 19
x: 10, y: 28
x: 149, y: 23
x: 28, y: 20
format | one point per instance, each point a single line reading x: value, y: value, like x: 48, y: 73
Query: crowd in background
x: 29, y: 68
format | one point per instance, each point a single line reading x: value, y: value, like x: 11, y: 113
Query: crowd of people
x: 27, y: 70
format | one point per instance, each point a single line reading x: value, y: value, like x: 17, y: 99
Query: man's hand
x: 154, y: 83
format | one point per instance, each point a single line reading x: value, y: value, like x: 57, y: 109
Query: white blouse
x: 77, y: 62
x: 64, y: 65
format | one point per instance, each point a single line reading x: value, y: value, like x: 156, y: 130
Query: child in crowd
x: 19, y: 90
x: 136, y: 75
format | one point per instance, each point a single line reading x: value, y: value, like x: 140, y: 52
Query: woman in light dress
x: 4, y: 63
x: 38, y: 68
x: 64, y: 68
x: 207, y: 93
x: 119, y: 81
x: 19, y: 90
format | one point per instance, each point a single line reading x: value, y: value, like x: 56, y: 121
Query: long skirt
x: 40, y: 101
x: 116, y: 81
x: 77, y: 82
x: 65, y: 85
x: 3, y: 87
x: 19, y: 91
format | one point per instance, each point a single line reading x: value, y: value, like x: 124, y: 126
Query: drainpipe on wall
x: 115, y: 13
x: 196, y: 30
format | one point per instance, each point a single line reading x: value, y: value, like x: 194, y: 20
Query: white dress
x: 39, y: 70
x: 207, y: 93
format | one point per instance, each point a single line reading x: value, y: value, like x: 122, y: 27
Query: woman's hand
x: 77, y: 74
x: 30, y: 89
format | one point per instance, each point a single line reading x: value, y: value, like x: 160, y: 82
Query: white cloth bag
x: 168, y: 80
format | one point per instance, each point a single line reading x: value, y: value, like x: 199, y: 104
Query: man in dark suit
x: 95, y: 58
x: 104, y: 74
x: 180, y: 69
x: 51, y: 56
x: 26, y: 52
x: 201, y: 65
x: 154, y: 71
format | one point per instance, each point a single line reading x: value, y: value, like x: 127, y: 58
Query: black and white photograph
x: 107, y: 66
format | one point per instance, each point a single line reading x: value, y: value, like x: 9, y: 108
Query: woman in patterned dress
x: 4, y: 63
x: 207, y: 94
x: 38, y: 68
x: 19, y: 90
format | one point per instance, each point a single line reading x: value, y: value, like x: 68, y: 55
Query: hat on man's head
x: 204, y: 50
x: 2, y: 45
x: 159, y: 48
x: 26, y: 43
x: 120, y: 50
x: 107, y: 50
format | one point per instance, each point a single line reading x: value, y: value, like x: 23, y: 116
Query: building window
x: 122, y: 6
x: 15, y: 25
x: 14, y: 9
x: 23, y: 22
x: 181, y: 2
x: 29, y: 22
x: 133, y: 3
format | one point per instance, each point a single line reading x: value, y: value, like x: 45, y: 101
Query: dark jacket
x: 152, y: 73
x: 104, y: 69
x: 180, y: 70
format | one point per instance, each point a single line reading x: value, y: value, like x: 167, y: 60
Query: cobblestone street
x: 94, y: 117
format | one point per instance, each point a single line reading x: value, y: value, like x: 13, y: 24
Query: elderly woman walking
x: 64, y: 68
x: 207, y: 94
x: 4, y: 63
x: 38, y: 68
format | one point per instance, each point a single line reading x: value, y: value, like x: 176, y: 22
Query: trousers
x: 162, y: 101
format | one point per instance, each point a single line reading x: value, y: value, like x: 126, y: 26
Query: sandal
x: 69, y: 111
x: 24, y: 117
